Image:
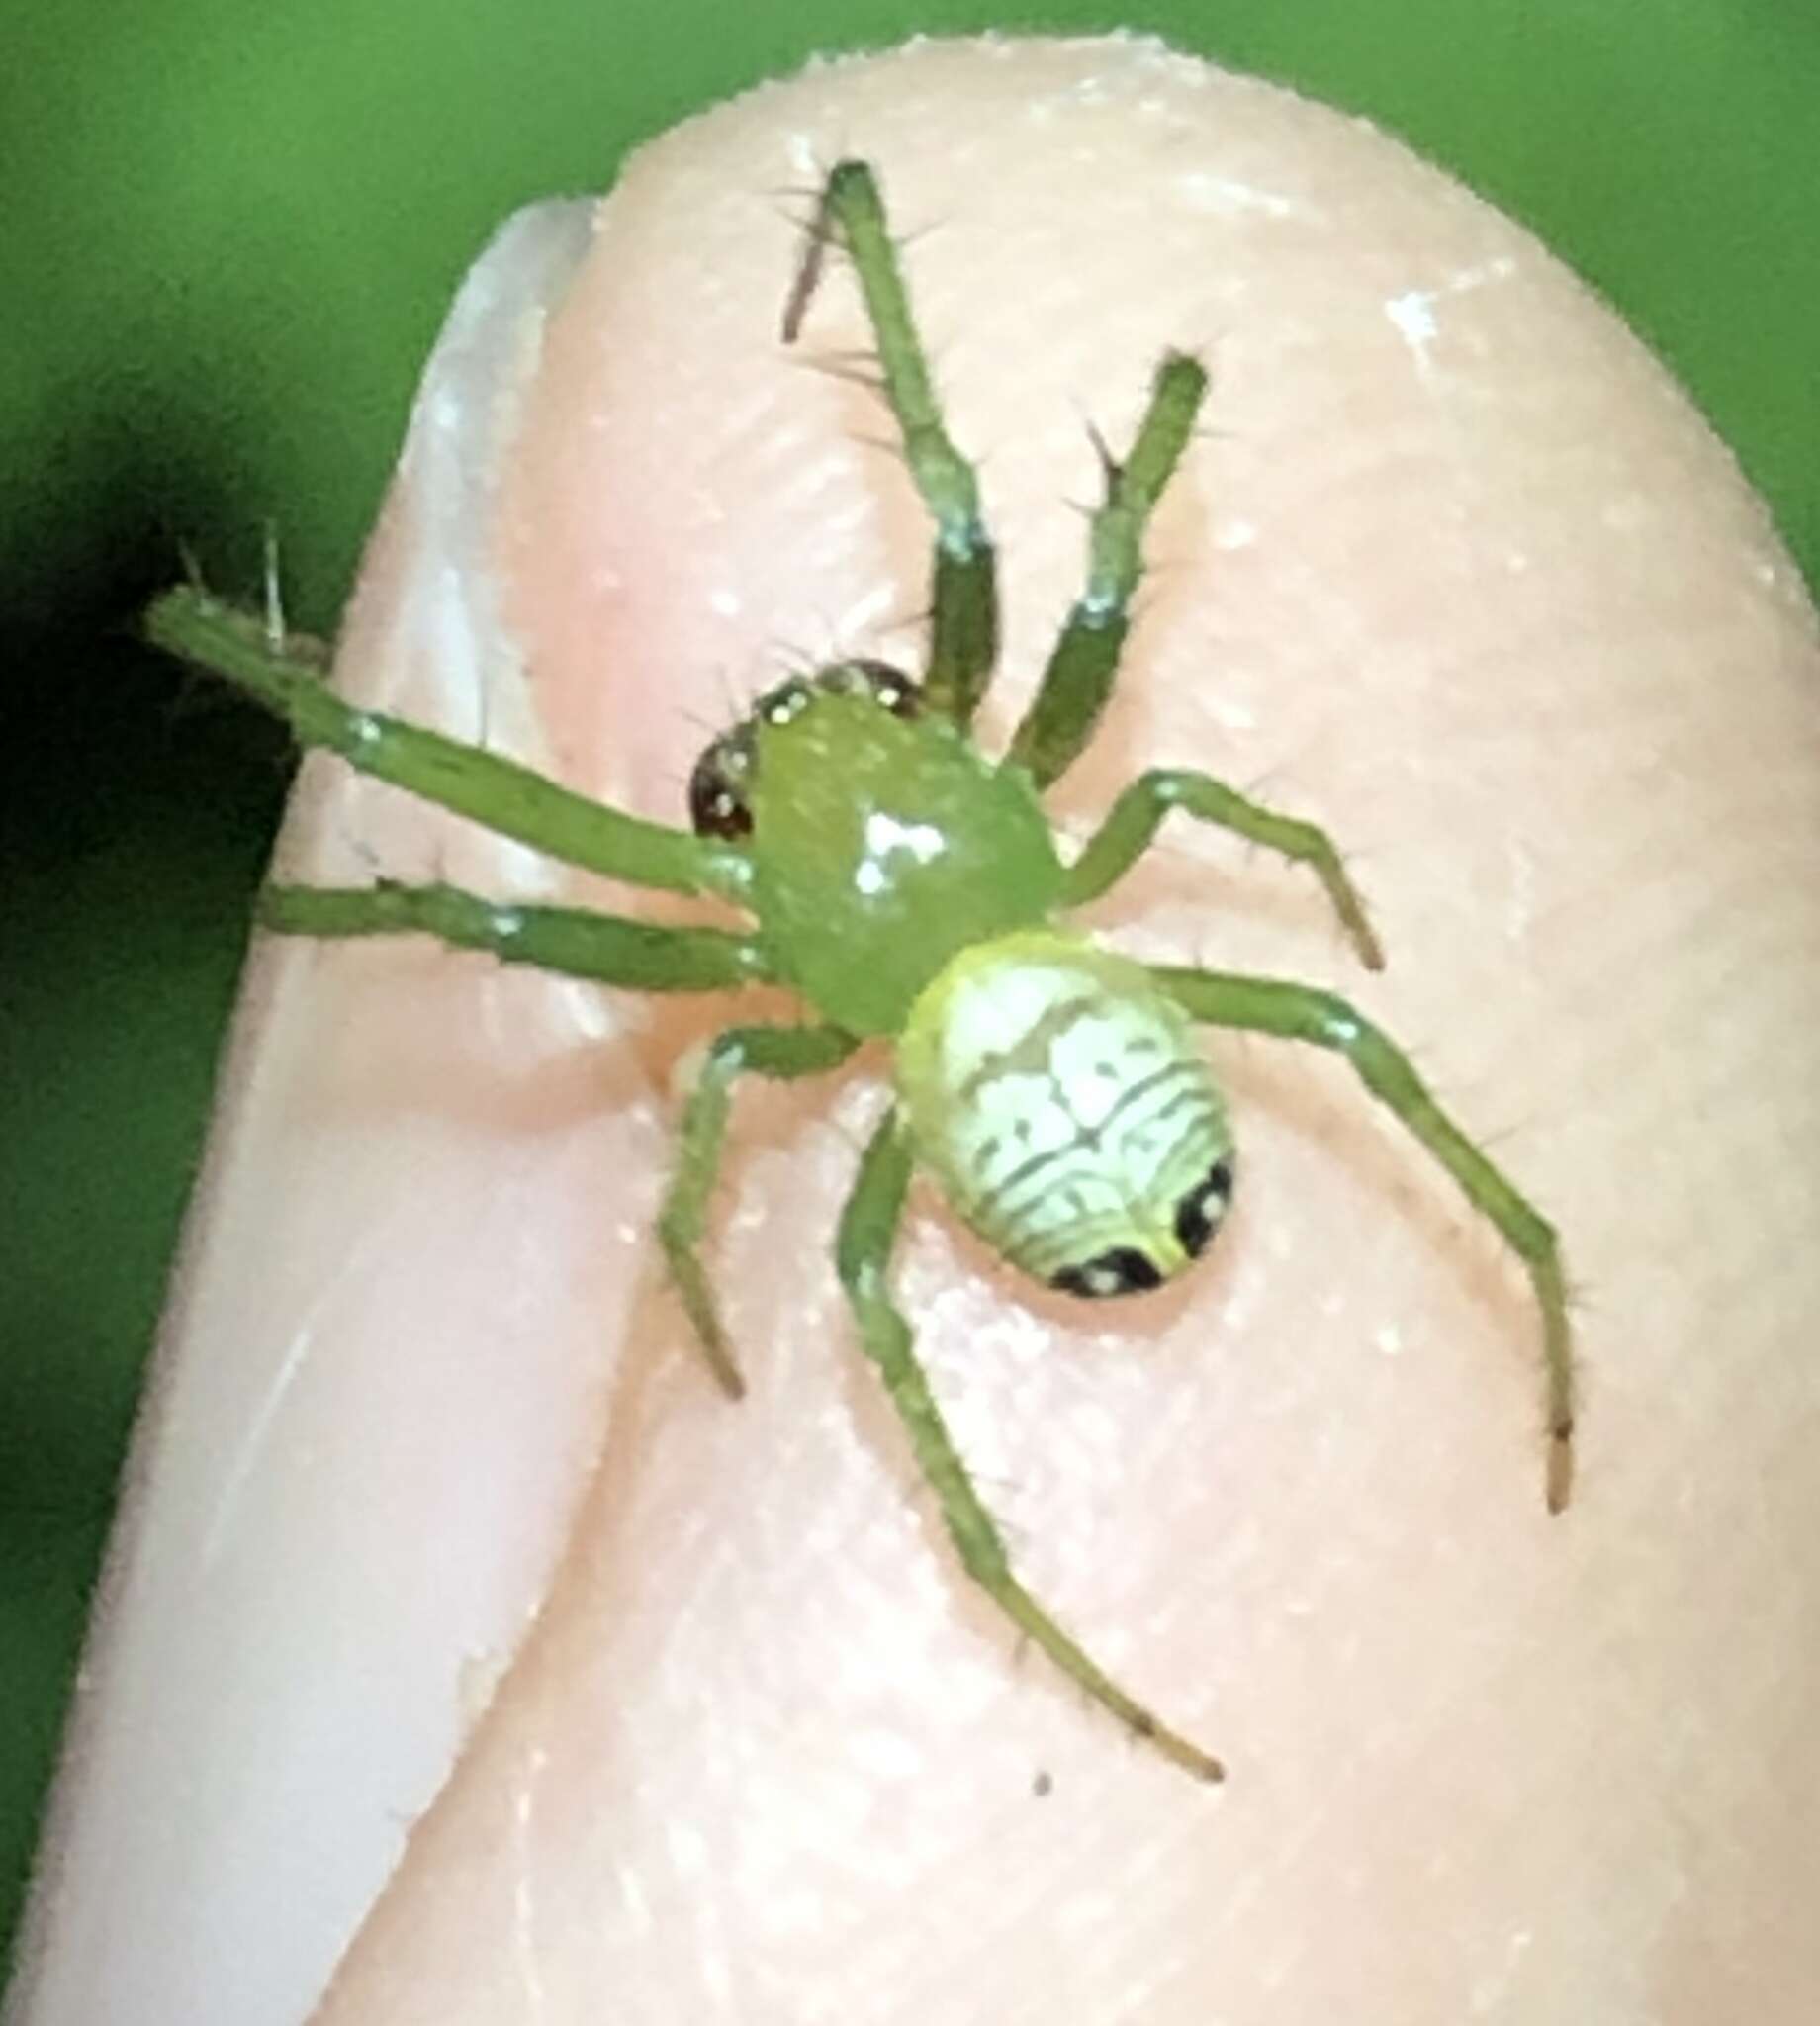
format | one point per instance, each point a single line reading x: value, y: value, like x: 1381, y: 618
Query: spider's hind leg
x: 868, y: 1231
x: 284, y: 676
x: 1136, y: 817
x: 1298, y: 1012
x: 963, y: 640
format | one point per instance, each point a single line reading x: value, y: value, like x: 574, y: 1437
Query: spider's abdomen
x: 1059, y: 1099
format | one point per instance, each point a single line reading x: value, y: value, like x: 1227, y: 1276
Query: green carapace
x: 907, y: 887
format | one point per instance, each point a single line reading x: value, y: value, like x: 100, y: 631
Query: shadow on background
x: 228, y: 241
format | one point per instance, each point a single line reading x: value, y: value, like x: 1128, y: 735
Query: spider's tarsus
x: 1560, y: 1468
x: 1365, y: 940
x: 1190, y: 1757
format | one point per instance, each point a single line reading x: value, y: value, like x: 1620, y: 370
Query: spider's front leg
x: 1137, y: 815
x: 963, y: 637
x: 780, y: 1053
x: 468, y: 780
x: 1298, y: 1012
x: 1077, y: 681
x: 868, y: 1231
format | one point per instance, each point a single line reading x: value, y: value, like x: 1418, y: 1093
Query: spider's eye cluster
x: 890, y: 689
x: 720, y: 788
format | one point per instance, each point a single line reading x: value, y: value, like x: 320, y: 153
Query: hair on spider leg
x: 247, y: 620
x: 909, y: 620
x: 676, y: 784
x: 914, y: 235
x: 795, y: 204
x: 1583, y: 1296
x: 812, y: 158
x: 709, y: 727
x: 276, y: 631
x: 907, y: 623
x: 797, y: 657
x: 738, y: 695
x: 197, y: 697
x: 359, y: 848
x: 893, y: 448
x: 1215, y: 432
x: 1109, y: 465
x: 482, y: 711
x: 848, y: 368
x: 440, y: 860
x: 1018, y: 1535
x: 786, y: 659
x: 1498, y: 1137
x: 830, y: 357
x: 790, y: 659
x: 900, y: 238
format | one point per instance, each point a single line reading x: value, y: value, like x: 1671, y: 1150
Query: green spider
x: 909, y: 888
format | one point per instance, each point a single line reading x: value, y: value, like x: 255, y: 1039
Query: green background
x: 229, y: 236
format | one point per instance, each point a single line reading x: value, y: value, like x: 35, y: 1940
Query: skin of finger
x: 1456, y: 570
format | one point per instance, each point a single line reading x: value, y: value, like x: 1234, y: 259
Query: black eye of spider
x: 889, y: 687
x: 1198, y: 1215
x: 1123, y: 1270
x: 788, y: 700
x: 717, y: 805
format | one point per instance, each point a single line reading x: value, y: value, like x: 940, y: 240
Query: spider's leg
x: 1300, y: 1012
x: 1137, y: 814
x: 868, y: 1228
x: 963, y: 641
x: 505, y: 797
x: 1079, y: 677
x: 784, y: 1053
x: 575, y: 942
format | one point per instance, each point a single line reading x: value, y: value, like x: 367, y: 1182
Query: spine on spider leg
x: 285, y: 673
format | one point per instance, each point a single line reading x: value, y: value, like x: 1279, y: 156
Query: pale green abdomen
x: 1061, y: 1100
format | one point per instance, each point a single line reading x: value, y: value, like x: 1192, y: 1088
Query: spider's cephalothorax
x: 907, y: 882
x: 720, y: 785
x: 905, y: 885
